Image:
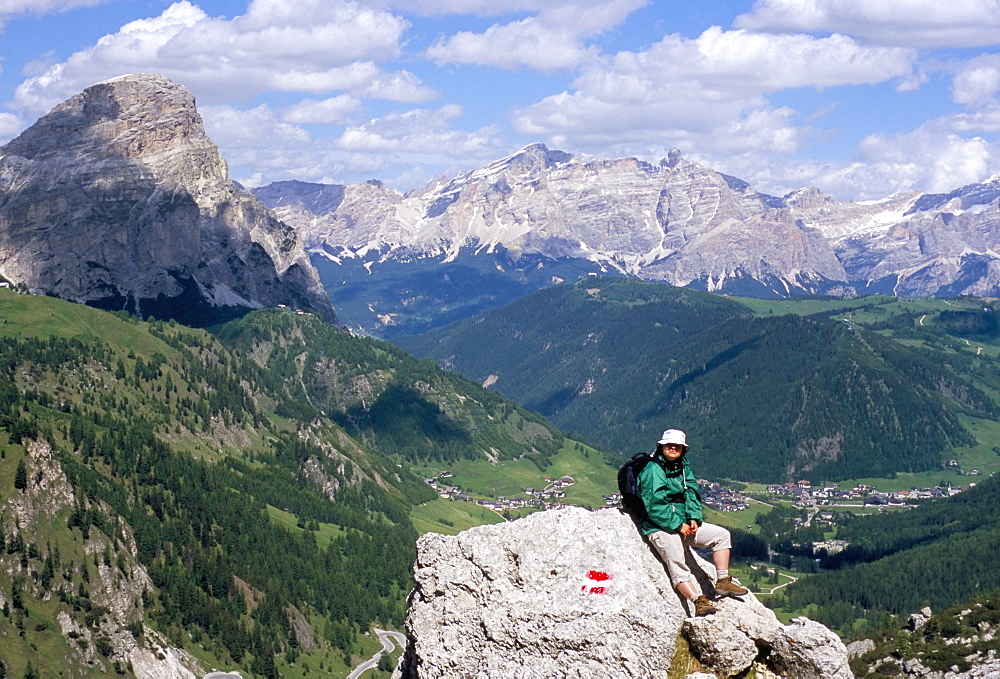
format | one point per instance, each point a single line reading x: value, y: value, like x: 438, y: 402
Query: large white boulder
x: 574, y: 593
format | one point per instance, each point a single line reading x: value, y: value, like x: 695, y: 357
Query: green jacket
x: 670, y: 495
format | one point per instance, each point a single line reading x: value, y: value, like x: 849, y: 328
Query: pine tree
x: 21, y: 475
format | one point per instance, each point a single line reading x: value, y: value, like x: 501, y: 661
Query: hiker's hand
x: 689, y: 528
x: 694, y: 526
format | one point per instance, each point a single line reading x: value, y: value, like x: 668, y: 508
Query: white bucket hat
x: 674, y: 436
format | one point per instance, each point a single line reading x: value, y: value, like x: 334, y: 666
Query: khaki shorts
x: 673, y: 548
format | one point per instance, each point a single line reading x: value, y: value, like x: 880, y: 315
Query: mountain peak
x: 672, y: 159
x: 538, y: 154
x: 132, y: 207
x: 131, y: 116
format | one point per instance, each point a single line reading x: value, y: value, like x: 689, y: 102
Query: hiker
x: 672, y: 521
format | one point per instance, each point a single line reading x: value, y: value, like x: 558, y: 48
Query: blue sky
x: 859, y: 98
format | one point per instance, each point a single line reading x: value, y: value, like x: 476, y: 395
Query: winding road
x: 389, y: 642
x: 791, y: 579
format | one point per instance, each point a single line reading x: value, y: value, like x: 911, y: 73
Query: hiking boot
x: 703, y: 606
x: 728, y: 587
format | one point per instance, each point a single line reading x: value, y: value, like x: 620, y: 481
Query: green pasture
x: 907, y: 480
x: 742, y: 519
x: 450, y: 517
x: 981, y: 456
x: 868, y: 309
x: 594, y: 477
x: 38, y: 316
x: 804, y: 306
x: 326, y: 534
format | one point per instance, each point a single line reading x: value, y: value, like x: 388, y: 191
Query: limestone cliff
x: 573, y: 593
x: 117, y: 198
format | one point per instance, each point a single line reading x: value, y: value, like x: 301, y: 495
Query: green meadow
x: 326, y: 533
x: 450, y: 517
x: 593, y: 477
x: 869, y: 309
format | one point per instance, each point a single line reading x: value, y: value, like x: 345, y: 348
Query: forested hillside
x: 232, y: 500
x: 765, y: 397
x: 937, y: 555
x: 382, y: 396
x: 960, y: 638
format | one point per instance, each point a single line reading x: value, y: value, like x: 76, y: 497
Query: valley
x: 224, y: 427
x: 318, y: 369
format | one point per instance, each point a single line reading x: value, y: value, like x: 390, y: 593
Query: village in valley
x: 821, y: 502
x: 549, y: 496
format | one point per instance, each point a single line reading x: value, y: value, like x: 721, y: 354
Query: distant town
x: 805, y: 495
x: 802, y: 494
x: 549, y: 496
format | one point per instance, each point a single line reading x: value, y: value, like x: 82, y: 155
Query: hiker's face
x: 671, y: 451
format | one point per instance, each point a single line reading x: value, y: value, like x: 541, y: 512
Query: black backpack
x: 628, y: 484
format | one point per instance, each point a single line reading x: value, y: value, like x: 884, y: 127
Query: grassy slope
x: 594, y: 477
x: 450, y: 517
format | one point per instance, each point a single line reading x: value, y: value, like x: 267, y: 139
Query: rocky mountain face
x: 573, y: 593
x: 117, y: 198
x: 677, y: 222
x: 106, y: 625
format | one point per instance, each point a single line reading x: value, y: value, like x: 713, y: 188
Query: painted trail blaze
x: 597, y: 576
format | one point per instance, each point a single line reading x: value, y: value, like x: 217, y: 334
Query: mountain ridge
x: 676, y: 221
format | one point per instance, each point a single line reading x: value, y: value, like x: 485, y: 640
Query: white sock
x: 721, y: 574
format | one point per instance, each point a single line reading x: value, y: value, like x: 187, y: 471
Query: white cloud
x: 400, y: 86
x: 984, y: 120
x: 315, y: 46
x: 526, y: 43
x: 12, y: 8
x: 599, y: 14
x: 421, y: 131
x: 335, y: 110
x: 550, y: 40
x: 10, y: 125
x: 260, y: 145
x: 977, y: 82
x: 707, y: 93
x: 232, y: 127
x: 928, y: 159
x: 920, y: 23
x: 943, y: 161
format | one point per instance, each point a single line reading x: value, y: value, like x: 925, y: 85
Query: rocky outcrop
x: 923, y: 649
x: 117, y: 198
x: 917, y: 620
x: 573, y: 593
